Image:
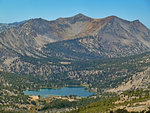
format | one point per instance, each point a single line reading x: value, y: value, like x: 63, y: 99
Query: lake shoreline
x: 78, y: 91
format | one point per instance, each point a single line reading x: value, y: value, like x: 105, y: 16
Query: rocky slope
x: 23, y: 48
x: 140, y: 80
x: 106, y: 37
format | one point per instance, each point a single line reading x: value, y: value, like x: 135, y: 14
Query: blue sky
x: 18, y: 10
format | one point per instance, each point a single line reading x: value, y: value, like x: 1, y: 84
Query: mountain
x: 4, y: 26
x: 74, y: 38
x: 106, y: 37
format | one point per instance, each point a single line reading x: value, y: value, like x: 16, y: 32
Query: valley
x: 108, y: 56
x: 100, y: 75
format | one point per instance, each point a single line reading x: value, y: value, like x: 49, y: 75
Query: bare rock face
x: 77, y: 37
x: 139, y: 80
x: 107, y: 37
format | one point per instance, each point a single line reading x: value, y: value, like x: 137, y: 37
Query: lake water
x: 66, y: 91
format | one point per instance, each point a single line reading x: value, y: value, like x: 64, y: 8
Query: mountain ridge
x: 110, y: 35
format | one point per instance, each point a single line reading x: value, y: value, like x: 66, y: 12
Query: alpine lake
x: 66, y: 91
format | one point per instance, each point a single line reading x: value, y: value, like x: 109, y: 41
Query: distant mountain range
x: 77, y: 35
x: 74, y: 38
x: 4, y: 26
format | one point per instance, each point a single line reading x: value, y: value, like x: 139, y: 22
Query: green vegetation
x: 137, y: 96
x: 96, y: 74
x: 105, y: 104
x: 59, y: 103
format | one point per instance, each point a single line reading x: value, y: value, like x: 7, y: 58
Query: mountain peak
x: 136, y: 21
x: 115, y: 19
x: 139, y: 24
x: 111, y: 17
x: 76, y: 18
x: 36, y: 22
x: 80, y: 15
x: 37, y: 19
